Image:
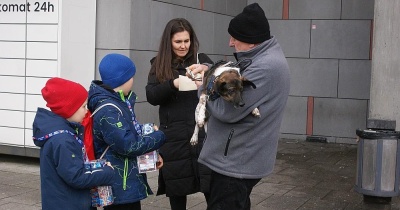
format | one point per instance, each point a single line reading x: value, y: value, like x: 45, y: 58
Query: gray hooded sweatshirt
x: 238, y: 144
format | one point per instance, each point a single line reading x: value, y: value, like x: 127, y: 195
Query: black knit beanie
x: 251, y: 26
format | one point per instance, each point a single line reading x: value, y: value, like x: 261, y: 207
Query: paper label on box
x: 147, y: 162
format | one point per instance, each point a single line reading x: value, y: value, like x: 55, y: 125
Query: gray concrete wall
x: 327, y: 44
x: 385, y: 85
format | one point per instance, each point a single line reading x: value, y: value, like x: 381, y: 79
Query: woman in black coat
x: 181, y: 174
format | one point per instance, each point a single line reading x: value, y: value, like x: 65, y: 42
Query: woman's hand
x: 198, y: 68
x: 160, y: 162
x: 200, y: 82
x: 176, y: 83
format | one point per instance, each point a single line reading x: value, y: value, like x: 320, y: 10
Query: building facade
x: 328, y: 45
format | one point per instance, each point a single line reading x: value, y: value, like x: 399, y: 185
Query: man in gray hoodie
x: 240, y: 149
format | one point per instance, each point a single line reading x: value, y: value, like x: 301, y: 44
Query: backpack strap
x: 96, y: 110
x: 107, y: 104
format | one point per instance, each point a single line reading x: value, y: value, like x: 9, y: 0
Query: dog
x: 222, y: 80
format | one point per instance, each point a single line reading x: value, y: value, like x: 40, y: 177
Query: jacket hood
x: 98, y: 92
x: 46, y: 122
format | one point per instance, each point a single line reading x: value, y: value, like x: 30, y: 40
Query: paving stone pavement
x: 307, y: 175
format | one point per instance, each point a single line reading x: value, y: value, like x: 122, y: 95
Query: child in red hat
x: 65, y: 182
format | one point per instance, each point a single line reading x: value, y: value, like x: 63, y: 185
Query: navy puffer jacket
x: 114, y: 128
x: 65, y: 183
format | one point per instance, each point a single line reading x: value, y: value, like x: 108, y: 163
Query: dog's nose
x: 240, y: 104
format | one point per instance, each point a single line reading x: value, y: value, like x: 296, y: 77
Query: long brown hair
x: 162, y: 65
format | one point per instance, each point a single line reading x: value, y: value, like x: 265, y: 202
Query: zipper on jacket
x: 166, y: 121
x: 228, y: 142
x: 205, y: 138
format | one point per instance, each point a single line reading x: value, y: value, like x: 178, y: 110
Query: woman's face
x: 181, y: 43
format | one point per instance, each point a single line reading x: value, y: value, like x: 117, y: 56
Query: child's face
x: 79, y: 114
x: 127, y: 86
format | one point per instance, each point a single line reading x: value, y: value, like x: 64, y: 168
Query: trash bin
x: 378, y: 163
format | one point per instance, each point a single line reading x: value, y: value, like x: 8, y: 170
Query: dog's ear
x: 248, y: 82
x: 221, y: 86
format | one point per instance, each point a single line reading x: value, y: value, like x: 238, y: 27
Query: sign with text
x: 31, y: 11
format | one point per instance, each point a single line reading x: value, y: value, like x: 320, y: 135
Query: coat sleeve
x: 267, y: 88
x: 159, y: 93
x: 68, y: 159
x: 117, y: 133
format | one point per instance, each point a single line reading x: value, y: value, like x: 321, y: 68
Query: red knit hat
x: 64, y: 97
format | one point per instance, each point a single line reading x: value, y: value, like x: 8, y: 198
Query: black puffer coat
x: 181, y: 174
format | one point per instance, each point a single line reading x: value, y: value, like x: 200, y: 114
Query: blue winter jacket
x: 114, y: 128
x: 65, y: 183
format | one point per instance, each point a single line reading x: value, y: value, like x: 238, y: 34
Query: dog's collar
x: 211, y: 93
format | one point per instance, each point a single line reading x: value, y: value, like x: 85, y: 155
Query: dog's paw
x: 194, y: 140
x: 256, y: 112
x: 200, y: 122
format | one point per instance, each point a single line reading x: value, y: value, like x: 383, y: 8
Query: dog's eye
x: 230, y: 91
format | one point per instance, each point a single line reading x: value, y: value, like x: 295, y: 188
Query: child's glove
x: 160, y: 162
x: 109, y: 164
